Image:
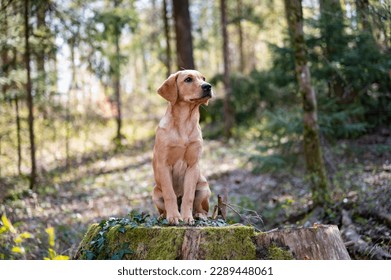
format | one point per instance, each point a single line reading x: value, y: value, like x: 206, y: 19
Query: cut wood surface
x: 226, y: 243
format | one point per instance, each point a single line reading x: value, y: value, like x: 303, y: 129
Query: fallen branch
x: 382, y: 217
x: 358, y: 245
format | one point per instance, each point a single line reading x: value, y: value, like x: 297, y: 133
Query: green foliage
x: 350, y: 76
x: 279, y: 144
x: 52, y: 253
x: 106, y: 28
x: 338, y: 121
x: 13, y: 243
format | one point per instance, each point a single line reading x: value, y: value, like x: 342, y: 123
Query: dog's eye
x: 188, y: 80
x: 203, y: 78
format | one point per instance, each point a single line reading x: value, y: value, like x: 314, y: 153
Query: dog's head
x: 188, y: 86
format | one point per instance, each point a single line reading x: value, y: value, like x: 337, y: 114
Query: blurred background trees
x: 93, y: 61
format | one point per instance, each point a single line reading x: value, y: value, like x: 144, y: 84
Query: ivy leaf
x: 119, y: 255
x: 102, y: 223
x: 100, y: 242
x: 89, y: 255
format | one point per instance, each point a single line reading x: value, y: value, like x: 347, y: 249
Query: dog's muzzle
x: 207, y: 90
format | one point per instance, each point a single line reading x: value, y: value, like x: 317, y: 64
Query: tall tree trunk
x: 117, y: 84
x: 312, y: 149
x: 364, y: 22
x: 332, y: 25
x: 362, y: 8
x: 167, y: 61
x: 332, y: 30
x: 18, y: 139
x: 72, y: 86
x: 0, y: 153
x: 30, y: 104
x: 6, y: 65
x: 228, y: 110
x: 5, y: 48
x: 117, y: 91
x: 184, y: 43
x: 240, y: 32
x: 41, y: 53
x: 17, y: 118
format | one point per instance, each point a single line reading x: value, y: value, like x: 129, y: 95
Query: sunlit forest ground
x: 103, y: 182
x: 85, y: 70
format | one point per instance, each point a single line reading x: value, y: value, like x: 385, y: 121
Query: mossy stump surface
x: 213, y: 243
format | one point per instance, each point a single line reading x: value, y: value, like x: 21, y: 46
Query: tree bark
x: 41, y: 53
x: 312, y: 149
x: 117, y: 91
x: 228, y: 110
x: 18, y: 139
x: 30, y: 100
x: 167, y: 60
x: 238, y: 242
x: 4, y: 50
x: 321, y: 242
x: 240, y: 33
x: 332, y: 30
x: 72, y: 86
x: 0, y: 153
x: 117, y: 84
x: 362, y: 8
x: 184, y: 43
x: 332, y: 25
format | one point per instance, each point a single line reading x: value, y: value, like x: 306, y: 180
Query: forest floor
x: 111, y: 184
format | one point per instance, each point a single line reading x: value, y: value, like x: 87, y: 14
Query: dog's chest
x: 187, y: 148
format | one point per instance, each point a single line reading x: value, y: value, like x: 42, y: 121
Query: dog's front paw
x: 201, y: 216
x: 174, y: 219
x: 188, y: 220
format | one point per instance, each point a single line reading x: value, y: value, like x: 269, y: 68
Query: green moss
x: 165, y: 243
x: 278, y: 253
x: 85, y: 249
x: 147, y: 243
x: 230, y: 243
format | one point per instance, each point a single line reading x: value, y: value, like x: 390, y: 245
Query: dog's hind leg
x: 201, y: 199
x: 157, y: 198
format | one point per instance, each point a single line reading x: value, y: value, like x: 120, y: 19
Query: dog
x: 181, y: 192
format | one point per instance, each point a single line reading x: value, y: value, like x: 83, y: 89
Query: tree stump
x: 321, y: 242
x: 235, y: 242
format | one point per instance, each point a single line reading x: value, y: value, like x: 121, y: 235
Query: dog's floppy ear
x: 168, y: 90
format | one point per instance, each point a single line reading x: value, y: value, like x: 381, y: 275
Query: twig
x: 246, y: 218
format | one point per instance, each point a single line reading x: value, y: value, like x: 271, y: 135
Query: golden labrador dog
x: 181, y: 192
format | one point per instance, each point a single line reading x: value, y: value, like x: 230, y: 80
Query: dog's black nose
x: 206, y: 87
